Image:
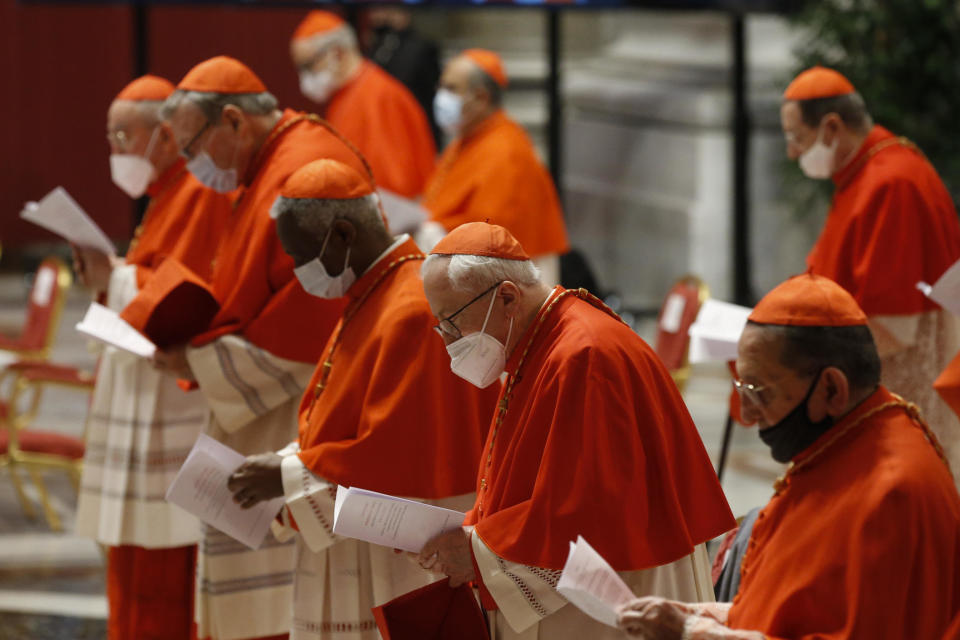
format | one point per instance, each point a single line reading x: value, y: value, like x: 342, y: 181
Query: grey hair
x: 343, y: 36
x: 473, y: 274
x: 315, y: 215
x: 808, y: 350
x: 480, y: 79
x: 850, y: 107
x: 212, y: 104
x: 149, y: 111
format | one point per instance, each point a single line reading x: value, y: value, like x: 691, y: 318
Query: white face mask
x: 207, y: 172
x: 316, y: 281
x: 817, y: 161
x: 479, y: 358
x: 133, y: 173
x: 317, y: 85
x: 448, y: 111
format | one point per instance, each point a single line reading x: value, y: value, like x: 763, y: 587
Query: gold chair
x: 44, y: 308
x: 34, y: 451
x: 679, y: 310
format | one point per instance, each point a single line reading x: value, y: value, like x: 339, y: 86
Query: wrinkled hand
x: 449, y: 553
x: 653, y: 618
x: 93, y: 268
x: 174, y: 362
x: 257, y: 479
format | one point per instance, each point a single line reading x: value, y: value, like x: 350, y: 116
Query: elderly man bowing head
x: 861, y: 539
x: 590, y: 438
x: 382, y: 411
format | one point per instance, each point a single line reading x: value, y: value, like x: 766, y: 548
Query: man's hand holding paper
x: 257, y: 479
x: 449, y: 553
x: 93, y: 267
x: 174, y: 361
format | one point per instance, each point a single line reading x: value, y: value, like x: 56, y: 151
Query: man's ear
x: 346, y: 231
x: 233, y: 116
x: 835, y: 388
x: 832, y: 126
x: 510, y: 294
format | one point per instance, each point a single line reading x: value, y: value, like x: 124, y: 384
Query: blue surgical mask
x: 209, y: 174
x: 448, y: 111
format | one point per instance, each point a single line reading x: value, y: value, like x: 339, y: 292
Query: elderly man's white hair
x: 315, y: 215
x: 212, y: 104
x: 473, y: 274
x: 342, y: 35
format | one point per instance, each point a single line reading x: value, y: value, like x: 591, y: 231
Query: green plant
x: 904, y: 58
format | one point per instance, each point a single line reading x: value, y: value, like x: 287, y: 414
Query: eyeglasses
x: 446, y: 326
x: 185, y: 150
x: 751, y: 392
x: 120, y: 139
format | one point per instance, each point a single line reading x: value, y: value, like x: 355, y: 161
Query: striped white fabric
x: 254, y: 397
x: 530, y: 608
x: 338, y: 580
x: 141, y: 427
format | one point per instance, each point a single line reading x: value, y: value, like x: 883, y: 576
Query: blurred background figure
x: 490, y: 171
x: 370, y: 108
x: 406, y: 54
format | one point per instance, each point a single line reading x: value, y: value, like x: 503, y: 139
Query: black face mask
x: 795, y: 432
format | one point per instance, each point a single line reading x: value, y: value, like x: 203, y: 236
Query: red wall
x: 60, y: 67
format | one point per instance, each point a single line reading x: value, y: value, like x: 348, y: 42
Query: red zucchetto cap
x: 326, y: 180
x: 480, y: 239
x: 148, y: 87
x: 490, y: 63
x: 222, y: 74
x: 317, y: 22
x: 818, y: 82
x: 808, y: 301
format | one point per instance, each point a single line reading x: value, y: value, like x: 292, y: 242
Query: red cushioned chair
x: 31, y: 450
x: 679, y: 310
x: 47, y: 296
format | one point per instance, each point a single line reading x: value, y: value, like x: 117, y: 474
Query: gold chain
x: 347, y: 317
x: 314, y: 118
x: 911, y: 410
x: 515, y: 377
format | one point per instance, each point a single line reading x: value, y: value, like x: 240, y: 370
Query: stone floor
x: 52, y: 584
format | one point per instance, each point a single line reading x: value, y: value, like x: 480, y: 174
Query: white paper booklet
x: 106, y: 325
x: 403, y: 214
x: 60, y: 213
x: 715, y: 333
x: 592, y: 585
x: 201, y: 489
x: 388, y: 520
x: 945, y: 291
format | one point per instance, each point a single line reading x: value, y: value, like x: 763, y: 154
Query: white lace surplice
x: 338, y: 580
x: 254, y: 397
x: 140, y: 429
x: 530, y: 608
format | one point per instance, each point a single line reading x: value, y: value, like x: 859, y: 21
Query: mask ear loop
x: 323, y: 247
x: 489, y: 309
x: 346, y: 262
x: 149, y: 149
